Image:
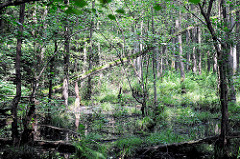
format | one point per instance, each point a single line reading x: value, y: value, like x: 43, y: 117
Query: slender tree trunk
x: 154, y: 64
x: 162, y: 65
x: 15, y: 134
x: 77, y: 101
x: 188, y: 50
x: 90, y: 56
x: 222, y: 56
x: 50, y: 88
x: 66, y: 62
x: 215, y: 65
x: 173, y: 63
x: 208, y: 61
x: 158, y: 61
x: 238, y: 37
x: 199, y: 51
x: 178, y: 27
x: 43, y: 48
x: 194, y: 35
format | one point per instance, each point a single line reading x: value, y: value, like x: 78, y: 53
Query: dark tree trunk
x: 50, y: 87
x: 238, y: 37
x: 15, y: 134
x: 222, y: 56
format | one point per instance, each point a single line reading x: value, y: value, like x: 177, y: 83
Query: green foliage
x: 194, y: 1
x: 145, y: 123
x: 120, y: 11
x: 105, y: 1
x: 62, y: 119
x: 80, y: 3
x: 238, y: 153
x: 6, y: 88
x: 164, y: 137
x: 112, y: 17
x: 127, y: 146
x: 157, y: 7
x: 89, y: 149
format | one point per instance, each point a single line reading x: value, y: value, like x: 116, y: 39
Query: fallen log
x: 61, y: 146
x: 174, y: 146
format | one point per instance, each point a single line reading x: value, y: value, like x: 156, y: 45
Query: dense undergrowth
x: 178, y: 117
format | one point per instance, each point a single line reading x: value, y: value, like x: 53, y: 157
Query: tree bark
x: 188, y: 68
x: 222, y: 56
x: 50, y: 87
x: 237, y: 37
x: 77, y: 101
x: 180, y: 57
x: 90, y: 56
x: 208, y: 61
x: 154, y: 65
x: 66, y: 62
x: 194, y: 55
x: 15, y: 134
x: 199, y: 50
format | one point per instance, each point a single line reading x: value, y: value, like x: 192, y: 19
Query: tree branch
x: 14, y: 3
x: 209, y: 8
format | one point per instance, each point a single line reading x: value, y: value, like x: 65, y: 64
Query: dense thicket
x: 62, y: 56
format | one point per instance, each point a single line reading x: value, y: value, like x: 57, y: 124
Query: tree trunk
x: 154, y: 65
x: 162, y: 65
x: 188, y: 50
x: 180, y: 57
x: 66, y: 62
x: 215, y: 65
x: 15, y: 134
x: 199, y: 50
x: 238, y: 38
x: 77, y: 101
x: 90, y: 56
x: 208, y: 61
x: 194, y: 35
x: 50, y: 87
x: 222, y: 56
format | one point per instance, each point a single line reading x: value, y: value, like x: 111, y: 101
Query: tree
x: 222, y: 48
x: 15, y: 134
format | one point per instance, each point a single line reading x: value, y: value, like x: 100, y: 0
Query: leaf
x: 71, y: 10
x: 157, y: 7
x: 112, y: 17
x: 105, y: 1
x: 121, y: 11
x: 194, y: 1
x: 80, y: 3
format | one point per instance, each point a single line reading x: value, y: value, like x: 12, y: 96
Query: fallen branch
x: 175, y: 146
x: 108, y: 65
x: 61, y: 146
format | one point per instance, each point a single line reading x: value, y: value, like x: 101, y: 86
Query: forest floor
x: 125, y: 126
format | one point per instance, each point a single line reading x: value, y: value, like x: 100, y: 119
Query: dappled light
x: 106, y: 79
